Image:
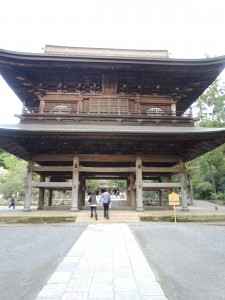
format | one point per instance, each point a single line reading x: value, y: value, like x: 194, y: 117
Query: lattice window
x: 155, y: 111
x: 60, y: 109
x: 108, y: 105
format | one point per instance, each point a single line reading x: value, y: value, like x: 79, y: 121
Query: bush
x: 219, y: 196
x: 204, y: 190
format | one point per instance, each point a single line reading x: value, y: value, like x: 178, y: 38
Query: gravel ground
x: 29, y: 254
x: 188, y: 259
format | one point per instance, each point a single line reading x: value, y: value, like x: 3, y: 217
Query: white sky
x: 187, y: 29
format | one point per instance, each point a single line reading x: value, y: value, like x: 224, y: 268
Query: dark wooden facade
x: 104, y: 113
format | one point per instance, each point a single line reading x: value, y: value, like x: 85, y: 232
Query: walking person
x: 106, y: 199
x: 12, y: 201
x: 93, y: 205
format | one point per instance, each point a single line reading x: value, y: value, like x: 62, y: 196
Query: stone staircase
x: 115, y: 216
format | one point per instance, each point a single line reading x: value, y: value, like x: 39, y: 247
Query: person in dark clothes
x: 93, y: 205
x: 12, y: 204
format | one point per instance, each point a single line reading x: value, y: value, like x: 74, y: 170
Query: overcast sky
x: 187, y: 29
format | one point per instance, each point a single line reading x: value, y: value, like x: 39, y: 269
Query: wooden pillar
x: 42, y: 105
x: 81, y: 197
x: 41, y: 194
x: 132, y: 192
x: 75, y: 184
x: 183, y: 187
x: 191, y: 189
x: 28, y: 192
x: 139, y: 200
x: 169, y: 179
x: 160, y: 198
x: 128, y: 192
x: 83, y: 192
x: 173, y: 109
x: 50, y: 192
x: 23, y: 108
x: 160, y: 195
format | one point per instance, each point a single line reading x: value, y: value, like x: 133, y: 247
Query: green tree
x: 210, y: 106
x: 13, y: 182
x: 118, y: 184
x: 207, y: 171
x: 92, y: 185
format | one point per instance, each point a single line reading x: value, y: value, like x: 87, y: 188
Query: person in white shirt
x: 106, y: 199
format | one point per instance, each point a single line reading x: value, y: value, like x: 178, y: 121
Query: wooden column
x: 28, y: 186
x: 75, y: 184
x: 160, y: 198
x: 128, y: 192
x: 23, y: 108
x: 173, y: 109
x: 160, y: 195
x: 41, y: 194
x: 42, y: 105
x: 169, y: 180
x: 132, y: 192
x: 139, y: 200
x: 81, y: 196
x: 183, y: 187
x: 83, y: 192
x: 50, y: 197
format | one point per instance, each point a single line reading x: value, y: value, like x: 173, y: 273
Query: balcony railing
x: 63, y: 110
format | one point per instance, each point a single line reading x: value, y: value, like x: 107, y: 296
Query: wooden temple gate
x: 73, y: 176
x: 103, y: 113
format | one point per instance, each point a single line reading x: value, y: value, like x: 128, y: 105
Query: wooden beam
x: 49, y: 185
x: 106, y: 158
x: 107, y: 170
x: 53, y: 157
x: 53, y: 169
x: 164, y: 185
x: 161, y: 169
x: 160, y: 158
x: 60, y: 97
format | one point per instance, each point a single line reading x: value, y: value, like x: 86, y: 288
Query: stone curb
x: 38, y: 219
x: 64, y: 219
x: 192, y: 218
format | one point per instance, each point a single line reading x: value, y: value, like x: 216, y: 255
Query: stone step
x: 112, y: 219
x: 105, y: 221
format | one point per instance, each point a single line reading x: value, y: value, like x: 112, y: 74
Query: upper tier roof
x: 106, y: 52
x: 187, y: 78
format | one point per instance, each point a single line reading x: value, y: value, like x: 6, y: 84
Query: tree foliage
x: 12, y: 181
x: 118, y: 184
x: 92, y: 185
x: 208, y: 171
x: 211, y: 106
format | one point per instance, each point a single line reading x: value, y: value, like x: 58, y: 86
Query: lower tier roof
x: 26, y: 140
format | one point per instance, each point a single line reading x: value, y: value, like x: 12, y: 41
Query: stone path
x: 105, y: 263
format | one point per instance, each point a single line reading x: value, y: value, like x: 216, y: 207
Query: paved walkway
x: 105, y: 263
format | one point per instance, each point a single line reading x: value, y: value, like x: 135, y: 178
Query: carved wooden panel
x: 63, y: 107
x: 109, y: 84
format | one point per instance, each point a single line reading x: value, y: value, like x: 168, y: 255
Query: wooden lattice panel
x: 108, y: 105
